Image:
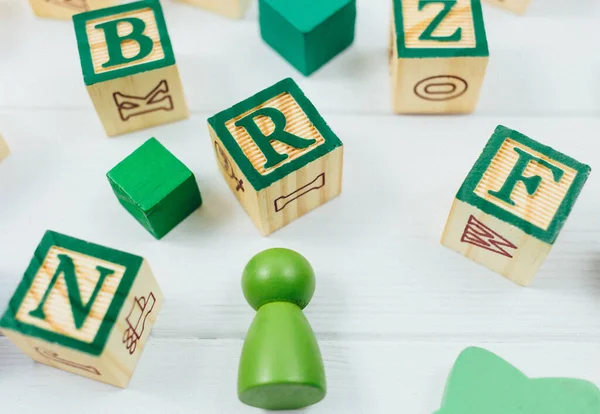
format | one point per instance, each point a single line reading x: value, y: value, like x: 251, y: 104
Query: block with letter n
x: 129, y: 66
x: 84, y: 308
x: 278, y: 155
x: 513, y: 204
x: 438, y: 56
x: 65, y: 9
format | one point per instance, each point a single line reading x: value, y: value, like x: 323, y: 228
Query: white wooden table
x: 392, y: 308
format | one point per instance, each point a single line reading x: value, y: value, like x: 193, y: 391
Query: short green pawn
x: 281, y: 366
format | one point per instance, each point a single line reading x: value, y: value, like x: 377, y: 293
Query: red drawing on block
x: 478, y: 234
x: 137, y: 320
x: 54, y: 357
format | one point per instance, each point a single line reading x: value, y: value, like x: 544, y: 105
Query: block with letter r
x: 129, y: 66
x: 438, y: 56
x: 513, y: 204
x: 84, y: 308
x: 278, y: 155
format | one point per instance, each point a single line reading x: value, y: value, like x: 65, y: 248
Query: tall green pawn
x: 281, y: 366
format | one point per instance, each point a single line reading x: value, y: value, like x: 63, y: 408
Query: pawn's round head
x: 278, y: 275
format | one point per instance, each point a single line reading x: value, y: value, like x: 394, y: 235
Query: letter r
x: 279, y: 134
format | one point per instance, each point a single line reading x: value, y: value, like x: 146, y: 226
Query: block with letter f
x: 84, y: 308
x: 513, y: 204
x: 438, y: 56
x: 278, y: 155
x: 129, y: 66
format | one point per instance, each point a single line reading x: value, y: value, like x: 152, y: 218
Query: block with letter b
x: 438, y: 56
x: 278, y: 155
x: 513, y: 204
x: 129, y: 66
x: 65, y: 9
x: 84, y: 308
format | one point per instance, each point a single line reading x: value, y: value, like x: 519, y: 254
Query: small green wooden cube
x: 308, y: 33
x: 155, y: 187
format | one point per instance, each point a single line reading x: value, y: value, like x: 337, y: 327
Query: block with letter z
x: 438, y: 56
x: 513, y: 204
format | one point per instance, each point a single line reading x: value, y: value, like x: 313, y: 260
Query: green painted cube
x: 308, y: 33
x: 155, y: 187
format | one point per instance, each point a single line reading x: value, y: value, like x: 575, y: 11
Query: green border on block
x: 481, y: 44
x: 131, y: 263
x: 467, y: 194
x: 257, y: 180
x: 90, y: 77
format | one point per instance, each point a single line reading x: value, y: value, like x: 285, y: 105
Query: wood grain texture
x: 78, y: 309
x: 393, y: 308
x: 494, y: 243
x: 435, y: 85
x: 65, y: 9
x: 139, y: 101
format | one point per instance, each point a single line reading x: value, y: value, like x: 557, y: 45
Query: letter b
x: 114, y: 42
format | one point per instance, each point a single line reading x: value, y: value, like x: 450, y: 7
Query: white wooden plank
x: 381, y: 271
x: 200, y: 376
x: 541, y: 63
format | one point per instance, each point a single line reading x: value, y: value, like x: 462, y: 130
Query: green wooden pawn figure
x: 281, y: 366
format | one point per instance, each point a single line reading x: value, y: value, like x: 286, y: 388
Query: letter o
x: 441, y: 88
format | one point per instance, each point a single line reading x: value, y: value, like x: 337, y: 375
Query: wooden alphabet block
x: 513, y: 204
x: 129, y: 67
x: 84, y: 308
x: 234, y: 9
x: 307, y: 33
x: 155, y: 187
x: 278, y: 155
x: 516, y: 6
x: 65, y: 9
x: 438, y: 56
x: 4, y: 149
x: 481, y: 382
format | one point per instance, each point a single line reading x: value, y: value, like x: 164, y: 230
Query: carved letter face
x: 438, y: 24
x: 524, y: 183
x: 124, y: 40
x: 72, y: 293
x: 67, y: 290
x: 272, y: 134
x: 157, y: 100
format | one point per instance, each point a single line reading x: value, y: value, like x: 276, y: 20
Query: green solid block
x: 483, y: 383
x: 308, y: 33
x: 281, y: 366
x: 155, y: 187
